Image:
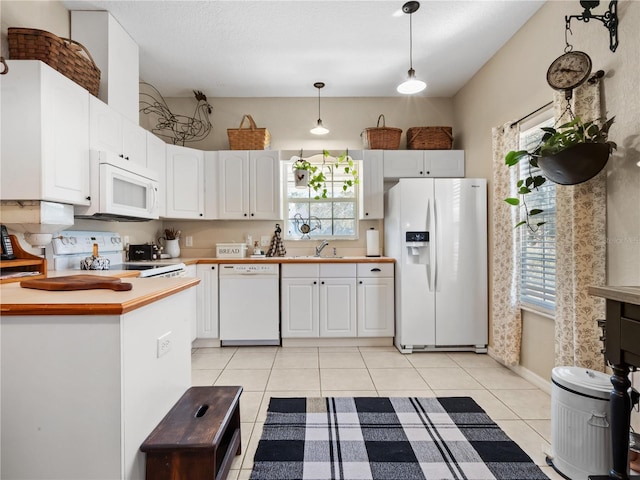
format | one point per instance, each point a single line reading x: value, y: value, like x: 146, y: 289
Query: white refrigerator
x: 436, y: 229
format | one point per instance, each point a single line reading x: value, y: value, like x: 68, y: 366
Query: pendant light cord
x: 319, y: 116
x: 411, y: 41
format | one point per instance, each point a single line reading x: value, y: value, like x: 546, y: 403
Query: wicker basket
x: 68, y: 57
x: 429, y: 138
x: 384, y: 138
x: 251, y: 138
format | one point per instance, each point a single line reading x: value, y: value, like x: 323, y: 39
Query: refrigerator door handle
x: 433, y: 246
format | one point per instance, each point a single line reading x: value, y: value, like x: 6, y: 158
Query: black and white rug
x: 386, y: 438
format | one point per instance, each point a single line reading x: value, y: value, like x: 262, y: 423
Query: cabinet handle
x: 428, y: 172
x: 421, y: 173
x: 375, y: 269
x: 213, y: 268
x: 245, y: 214
x: 360, y: 282
x: 252, y: 214
x: 121, y: 155
x: 202, y: 214
x: 315, y: 283
x: 126, y: 158
x: 322, y: 283
x: 366, y: 214
x: 88, y: 197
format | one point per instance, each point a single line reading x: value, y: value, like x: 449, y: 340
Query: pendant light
x: 411, y: 84
x: 319, y: 129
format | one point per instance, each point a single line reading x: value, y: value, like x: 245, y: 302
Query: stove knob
x: 73, y: 240
x: 64, y: 240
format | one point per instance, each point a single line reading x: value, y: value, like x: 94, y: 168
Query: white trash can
x: 580, y: 431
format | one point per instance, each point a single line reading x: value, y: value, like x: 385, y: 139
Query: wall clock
x: 569, y: 71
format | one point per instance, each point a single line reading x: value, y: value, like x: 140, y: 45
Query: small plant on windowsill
x: 567, y: 155
x: 315, y: 175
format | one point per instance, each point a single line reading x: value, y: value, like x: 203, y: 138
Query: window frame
x: 537, y: 250
x: 287, y: 179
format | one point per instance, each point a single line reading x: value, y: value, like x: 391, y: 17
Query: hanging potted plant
x: 567, y: 155
x: 314, y: 176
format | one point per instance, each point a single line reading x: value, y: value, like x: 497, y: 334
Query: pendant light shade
x: 319, y: 129
x: 411, y: 84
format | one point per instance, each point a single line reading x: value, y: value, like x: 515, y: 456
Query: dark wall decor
x: 609, y: 19
x: 177, y: 128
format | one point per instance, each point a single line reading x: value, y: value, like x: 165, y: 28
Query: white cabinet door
x: 185, y: 186
x: 134, y: 142
x: 157, y: 161
x: 105, y: 132
x: 337, y: 307
x: 45, y: 135
x: 372, y: 185
x: 233, y: 185
x: 299, y: 307
x: 444, y: 163
x: 264, y: 185
x: 403, y: 163
x: 211, y: 185
x: 207, y: 301
x: 249, y: 185
x: 112, y: 132
x: 375, y: 307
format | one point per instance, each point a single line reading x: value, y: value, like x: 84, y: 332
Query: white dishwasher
x: 249, y: 304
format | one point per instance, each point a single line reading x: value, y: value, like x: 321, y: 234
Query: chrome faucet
x: 320, y: 247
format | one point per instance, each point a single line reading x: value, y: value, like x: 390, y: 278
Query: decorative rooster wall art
x: 177, y: 128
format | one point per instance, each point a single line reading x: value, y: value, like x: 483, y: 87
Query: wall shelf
x: 25, y: 266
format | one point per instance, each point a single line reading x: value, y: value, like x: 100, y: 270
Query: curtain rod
x: 530, y: 114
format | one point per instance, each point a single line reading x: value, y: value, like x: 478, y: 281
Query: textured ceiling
x: 273, y: 48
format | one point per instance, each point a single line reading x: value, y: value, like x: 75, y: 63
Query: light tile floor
x: 518, y: 407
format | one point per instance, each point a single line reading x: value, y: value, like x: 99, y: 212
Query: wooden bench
x: 198, y: 438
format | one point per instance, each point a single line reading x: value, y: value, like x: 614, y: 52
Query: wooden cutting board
x: 77, y: 282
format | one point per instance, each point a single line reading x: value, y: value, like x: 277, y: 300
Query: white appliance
x: 249, y: 304
x: 121, y: 190
x: 436, y: 229
x: 68, y: 248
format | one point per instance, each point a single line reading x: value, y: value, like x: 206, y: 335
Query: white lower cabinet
x: 375, y: 300
x: 318, y: 300
x: 207, y: 302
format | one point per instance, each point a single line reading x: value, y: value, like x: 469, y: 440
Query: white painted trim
x: 528, y: 375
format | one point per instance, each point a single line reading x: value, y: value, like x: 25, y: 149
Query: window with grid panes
x: 332, y: 217
x: 538, y: 249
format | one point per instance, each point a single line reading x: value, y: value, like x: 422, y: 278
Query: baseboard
x: 338, y: 342
x: 205, y: 343
x: 542, y: 383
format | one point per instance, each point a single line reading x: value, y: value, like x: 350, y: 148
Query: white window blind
x: 331, y: 217
x: 538, y: 249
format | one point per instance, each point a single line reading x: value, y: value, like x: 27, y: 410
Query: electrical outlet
x: 164, y: 344
x: 265, y: 241
x: 188, y: 241
x: 126, y: 239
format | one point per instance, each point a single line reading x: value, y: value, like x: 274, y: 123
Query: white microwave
x: 121, y: 190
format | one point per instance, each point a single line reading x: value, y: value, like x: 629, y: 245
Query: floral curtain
x: 580, y: 250
x: 506, y: 320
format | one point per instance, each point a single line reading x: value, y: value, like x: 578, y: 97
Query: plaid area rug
x: 386, y: 438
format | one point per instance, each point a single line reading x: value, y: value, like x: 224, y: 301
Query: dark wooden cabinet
x: 25, y: 266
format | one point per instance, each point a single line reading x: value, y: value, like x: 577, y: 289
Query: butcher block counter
x: 27, y: 301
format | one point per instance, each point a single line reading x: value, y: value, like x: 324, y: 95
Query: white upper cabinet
x: 116, y: 55
x: 249, y: 185
x: 185, y: 182
x: 371, y: 186
x: 45, y: 135
x: 423, y: 163
x: 157, y: 161
x: 110, y: 131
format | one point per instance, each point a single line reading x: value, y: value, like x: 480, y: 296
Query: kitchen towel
x: 373, y: 243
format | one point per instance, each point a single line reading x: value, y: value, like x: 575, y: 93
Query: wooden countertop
x: 621, y: 294
x: 292, y: 259
x: 27, y: 301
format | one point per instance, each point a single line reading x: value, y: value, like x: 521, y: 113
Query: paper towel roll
x: 373, y: 243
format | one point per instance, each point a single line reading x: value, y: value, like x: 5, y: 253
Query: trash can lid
x: 583, y: 380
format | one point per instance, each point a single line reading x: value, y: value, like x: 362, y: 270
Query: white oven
x: 120, y: 190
